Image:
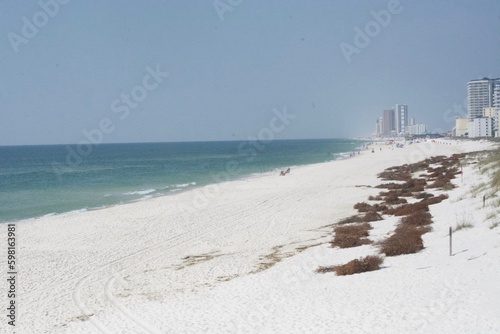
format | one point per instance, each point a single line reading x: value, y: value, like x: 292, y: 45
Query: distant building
x: 417, y: 129
x: 480, y: 127
x: 395, y: 122
x: 401, y: 117
x: 493, y: 113
x: 461, y: 125
x: 483, y: 101
x: 388, y: 121
x: 379, y: 128
x: 482, y: 93
x: 496, y: 95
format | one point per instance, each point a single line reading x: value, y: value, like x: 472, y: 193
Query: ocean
x: 46, y: 180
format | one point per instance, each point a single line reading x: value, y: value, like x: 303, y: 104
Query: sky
x: 161, y: 71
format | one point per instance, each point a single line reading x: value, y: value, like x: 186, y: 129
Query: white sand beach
x: 204, y: 260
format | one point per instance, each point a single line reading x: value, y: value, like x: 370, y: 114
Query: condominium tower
x: 388, y: 122
x: 482, y: 93
x: 401, y: 117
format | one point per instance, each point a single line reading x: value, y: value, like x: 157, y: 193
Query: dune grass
x: 491, y: 165
x: 462, y: 226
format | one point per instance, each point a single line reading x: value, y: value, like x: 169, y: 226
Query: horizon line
x: 186, y: 141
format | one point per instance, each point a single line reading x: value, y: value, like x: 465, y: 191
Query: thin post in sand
x: 451, y: 233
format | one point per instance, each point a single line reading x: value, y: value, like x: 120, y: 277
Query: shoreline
x: 176, y: 191
x: 150, y: 251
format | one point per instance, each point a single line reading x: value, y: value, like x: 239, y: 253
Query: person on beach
x: 283, y: 173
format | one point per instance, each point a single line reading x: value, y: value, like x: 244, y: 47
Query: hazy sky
x: 86, y: 65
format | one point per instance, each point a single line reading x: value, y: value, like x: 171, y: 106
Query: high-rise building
x: 496, y: 95
x: 379, y: 128
x: 401, y: 117
x: 482, y: 93
x: 388, y: 122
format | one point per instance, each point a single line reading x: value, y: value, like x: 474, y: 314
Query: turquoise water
x: 42, y: 180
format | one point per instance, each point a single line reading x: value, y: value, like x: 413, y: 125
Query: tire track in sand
x: 108, y: 269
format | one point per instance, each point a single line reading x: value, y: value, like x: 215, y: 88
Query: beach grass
x: 462, y: 226
x: 494, y: 225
